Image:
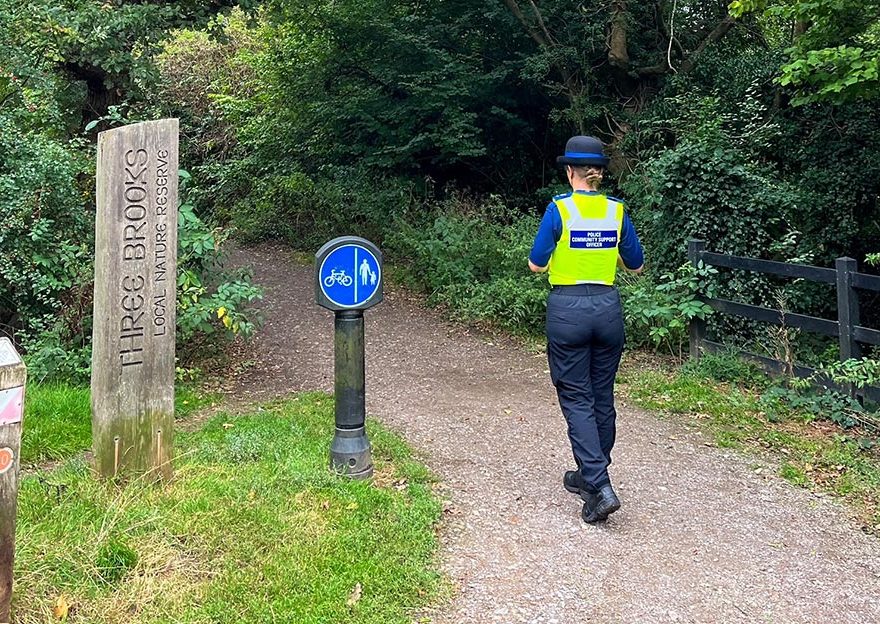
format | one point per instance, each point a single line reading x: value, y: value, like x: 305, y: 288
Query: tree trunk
x: 618, y: 54
x: 102, y: 91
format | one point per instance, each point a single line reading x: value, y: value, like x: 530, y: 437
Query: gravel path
x: 700, y: 537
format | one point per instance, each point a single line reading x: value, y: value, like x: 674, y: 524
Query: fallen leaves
x: 62, y: 608
x: 355, y: 595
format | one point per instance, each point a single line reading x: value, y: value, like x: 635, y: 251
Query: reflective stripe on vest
x: 588, y: 247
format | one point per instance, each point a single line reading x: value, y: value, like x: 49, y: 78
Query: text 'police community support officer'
x: 583, y: 237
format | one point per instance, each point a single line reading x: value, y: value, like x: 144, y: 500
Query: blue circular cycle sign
x: 348, y: 274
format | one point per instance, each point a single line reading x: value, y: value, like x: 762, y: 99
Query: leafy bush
x: 205, y: 75
x: 210, y: 298
x: 702, y: 190
x: 810, y: 395
x: 45, y: 237
x: 51, y: 355
x: 782, y: 402
x: 657, y: 314
x: 472, y: 257
x: 306, y: 214
x: 857, y: 372
x: 752, y: 182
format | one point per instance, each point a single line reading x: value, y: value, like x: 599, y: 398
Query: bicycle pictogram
x: 337, y: 277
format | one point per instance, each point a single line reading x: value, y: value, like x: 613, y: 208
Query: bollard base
x: 350, y: 454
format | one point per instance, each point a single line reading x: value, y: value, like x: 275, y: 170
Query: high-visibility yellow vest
x: 587, y: 250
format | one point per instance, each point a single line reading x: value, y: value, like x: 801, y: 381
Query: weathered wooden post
x: 847, y: 308
x: 135, y: 299
x: 12, y: 380
x: 697, y: 326
x: 847, y: 313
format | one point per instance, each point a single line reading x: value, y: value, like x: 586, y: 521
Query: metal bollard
x: 350, y: 450
x: 348, y: 280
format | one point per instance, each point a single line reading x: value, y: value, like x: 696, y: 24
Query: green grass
x: 58, y: 422
x: 188, y: 399
x: 253, y: 528
x: 809, y: 453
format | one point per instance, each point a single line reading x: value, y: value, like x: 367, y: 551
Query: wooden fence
x: 847, y: 328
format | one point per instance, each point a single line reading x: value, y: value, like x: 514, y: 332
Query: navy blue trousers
x: 584, y: 344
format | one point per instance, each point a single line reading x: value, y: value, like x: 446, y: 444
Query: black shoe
x: 605, y: 504
x: 573, y: 482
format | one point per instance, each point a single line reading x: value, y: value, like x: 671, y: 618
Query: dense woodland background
x: 433, y: 128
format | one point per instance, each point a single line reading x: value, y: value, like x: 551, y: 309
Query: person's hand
x: 537, y: 269
x: 623, y: 266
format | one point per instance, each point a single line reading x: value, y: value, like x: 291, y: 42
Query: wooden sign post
x: 12, y: 380
x: 135, y: 299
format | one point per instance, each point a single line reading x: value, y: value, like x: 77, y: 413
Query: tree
x: 104, y: 46
x: 834, y: 54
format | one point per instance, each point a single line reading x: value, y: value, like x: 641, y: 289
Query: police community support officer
x: 582, y: 235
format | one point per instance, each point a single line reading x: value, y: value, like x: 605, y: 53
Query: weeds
x: 263, y: 534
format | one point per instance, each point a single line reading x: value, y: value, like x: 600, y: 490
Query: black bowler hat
x: 584, y: 150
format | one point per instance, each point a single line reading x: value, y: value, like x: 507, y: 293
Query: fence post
x: 697, y: 326
x: 12, y: 380
x: 847, y: 314
x: 847, y: 308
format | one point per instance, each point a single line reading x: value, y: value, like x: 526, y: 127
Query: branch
x: 800, y: 27
x: 349, y: 69
x: 541, y: 23
x: 651, y: 70
x: 716, y: 35
x: 688, y: 64
x: 671, y: 35
x: 546, y: 42
x: 22, y: 83
x: 661, y: 27
x: 537, y: 36
x: 93, y: 75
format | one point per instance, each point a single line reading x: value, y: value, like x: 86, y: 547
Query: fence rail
x: 847, y: 328
x: 784, y: 269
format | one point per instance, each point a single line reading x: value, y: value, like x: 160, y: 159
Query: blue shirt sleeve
x: 630, y: 248
x: 548, y: 235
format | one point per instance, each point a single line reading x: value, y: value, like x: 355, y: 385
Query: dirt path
x: 700, y: 537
